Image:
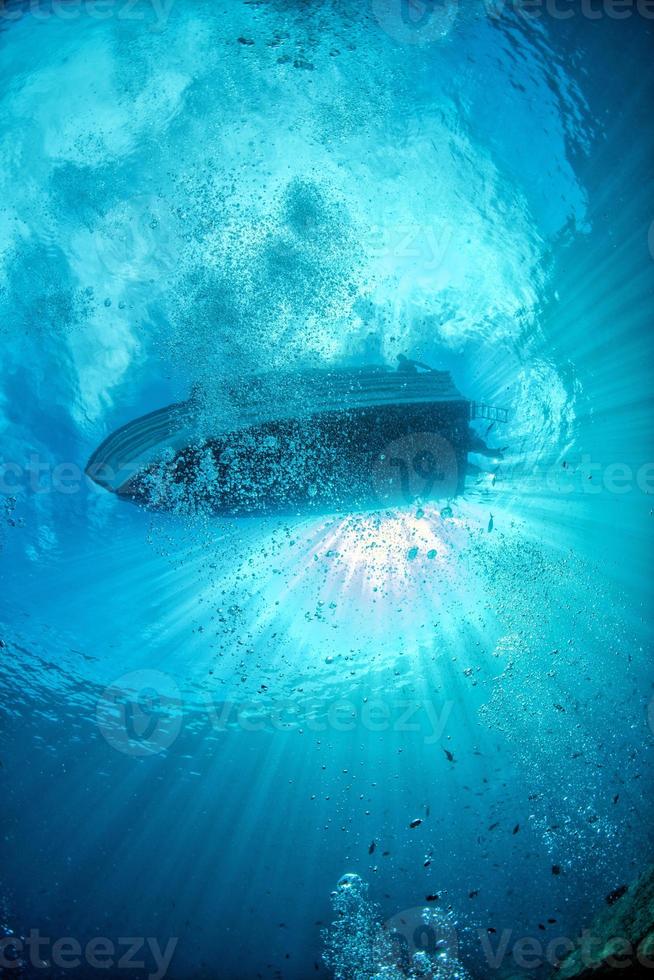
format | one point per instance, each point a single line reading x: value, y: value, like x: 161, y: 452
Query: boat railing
x: 480, y: 410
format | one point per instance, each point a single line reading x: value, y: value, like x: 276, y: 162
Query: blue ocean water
x: 207, y: 722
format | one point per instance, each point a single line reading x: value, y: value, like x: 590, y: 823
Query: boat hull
x: 357, y: 459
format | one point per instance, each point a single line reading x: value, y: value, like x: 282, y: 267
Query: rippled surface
x: 197, y: 192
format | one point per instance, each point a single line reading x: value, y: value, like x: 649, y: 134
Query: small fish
x: 385, y: 854
x: 415, y: 823
x: 473, y: 894
x: 616, y: 797
x: 449, y: 756
x: 556, y: 869
x: 371, y: 849
x: 516, y: 829
x: 491, y: 930
x: 427, y: 810
x: 495, y: 825
x: 426, y: 863
x: 552, y: 921
x: 491, y: 524
x: 541, y: 926
x: 432, y: 898
x: 559, y: 707
x: 617, y: 893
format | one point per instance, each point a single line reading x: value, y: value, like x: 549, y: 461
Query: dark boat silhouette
x: 323, y: 440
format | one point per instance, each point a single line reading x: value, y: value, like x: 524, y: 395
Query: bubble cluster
x: 416, y: 944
